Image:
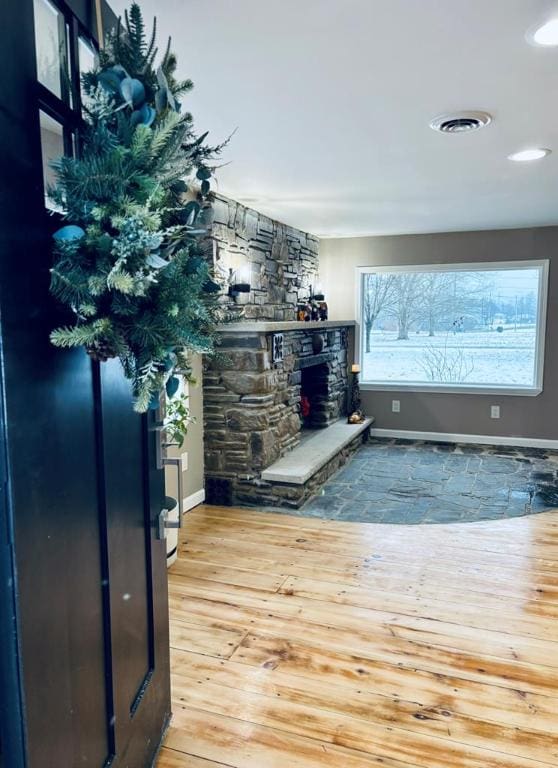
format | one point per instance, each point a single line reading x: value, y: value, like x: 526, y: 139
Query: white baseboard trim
x: 447, y: 437
x: 193, y: 500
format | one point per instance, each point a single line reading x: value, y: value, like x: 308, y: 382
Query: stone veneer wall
x: 282, y: 261
x: 252, y: 410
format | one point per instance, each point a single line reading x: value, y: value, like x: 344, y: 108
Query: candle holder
x: 236, y: 287
x: 356, y: 415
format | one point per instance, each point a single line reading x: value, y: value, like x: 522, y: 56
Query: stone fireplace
x: 275, y: 396
x: 254, y: 408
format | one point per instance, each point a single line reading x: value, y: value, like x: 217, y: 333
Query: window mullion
x: 75, y: 74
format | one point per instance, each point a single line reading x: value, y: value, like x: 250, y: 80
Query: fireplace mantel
x: 283, y: 325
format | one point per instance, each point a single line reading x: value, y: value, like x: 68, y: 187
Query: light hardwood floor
x: 299, y: 643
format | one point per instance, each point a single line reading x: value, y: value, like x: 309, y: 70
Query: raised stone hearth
x: 252, y: 407
x: 315, y: 451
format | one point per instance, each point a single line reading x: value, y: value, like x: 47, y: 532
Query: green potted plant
x: 176, y: 421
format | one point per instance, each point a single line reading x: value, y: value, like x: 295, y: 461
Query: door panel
x: 130, y: 588
x: 137, y: 561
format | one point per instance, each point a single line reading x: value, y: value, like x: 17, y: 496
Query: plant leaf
x: 132, y: 91
x: 203, y: 173
x: 191, y: 211
x: 164, y: 86
x: 156, y: 262
x: 172, y: 386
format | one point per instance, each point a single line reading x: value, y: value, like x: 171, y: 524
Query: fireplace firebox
x: 314, y: 397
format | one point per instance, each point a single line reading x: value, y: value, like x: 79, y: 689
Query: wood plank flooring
x: 298, y: 643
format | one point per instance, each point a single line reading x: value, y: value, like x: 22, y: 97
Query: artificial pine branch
x: 136, y: 37
x: 151, y: 52
x: 81, y: 335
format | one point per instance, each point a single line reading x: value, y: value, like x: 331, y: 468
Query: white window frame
x: 480, y: 389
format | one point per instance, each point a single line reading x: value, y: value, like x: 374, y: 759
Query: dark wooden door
x: 83, y: 487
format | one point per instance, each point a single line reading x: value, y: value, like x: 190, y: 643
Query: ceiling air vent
x: 460, y: 122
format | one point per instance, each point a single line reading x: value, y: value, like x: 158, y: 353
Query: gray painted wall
x: 535, y: 417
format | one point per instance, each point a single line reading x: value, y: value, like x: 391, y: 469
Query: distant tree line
x: 431, y: 302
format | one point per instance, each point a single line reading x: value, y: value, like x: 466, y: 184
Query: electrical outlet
x: 184, y: 460
x: 494, y: 411
x: 396, y: 406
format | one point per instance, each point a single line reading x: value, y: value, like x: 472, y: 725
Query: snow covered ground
x: 488, y: 357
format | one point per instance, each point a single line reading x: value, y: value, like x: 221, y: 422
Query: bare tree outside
x: 438, y: 291
x: 409, y: 301
x: 378, y: 296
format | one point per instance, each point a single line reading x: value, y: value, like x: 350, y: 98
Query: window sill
x: 449, y: 389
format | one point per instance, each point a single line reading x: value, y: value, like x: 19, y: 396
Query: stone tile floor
x: 399, y: 481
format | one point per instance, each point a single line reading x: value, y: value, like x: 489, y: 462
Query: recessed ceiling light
x: 545, y: 34
x: 527, y: 155
x: 460, y: 122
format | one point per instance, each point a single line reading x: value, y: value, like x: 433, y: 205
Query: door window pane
x: 87, y: 58
x: 52, y: 147
x: 50, y: 42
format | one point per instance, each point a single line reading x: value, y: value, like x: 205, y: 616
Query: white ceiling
x: 332, y: 100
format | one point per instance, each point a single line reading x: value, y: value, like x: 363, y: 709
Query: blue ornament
x: 145, y: 115
x: 69, y: 232
x: 109, y: 81
x: 111, y: 78
x: 132, y: 91
x: 119, y: 70
x: 149, y: 114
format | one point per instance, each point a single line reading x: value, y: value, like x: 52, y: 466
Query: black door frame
x: 12, y: 740
x: 48, y: 399
x: 16, y: 35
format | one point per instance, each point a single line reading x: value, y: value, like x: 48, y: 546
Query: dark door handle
x: 178, y: 464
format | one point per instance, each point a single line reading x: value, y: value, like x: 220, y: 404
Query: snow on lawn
x: 506, y: 358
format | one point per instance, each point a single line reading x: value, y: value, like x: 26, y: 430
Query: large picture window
x: 466, y: 327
